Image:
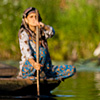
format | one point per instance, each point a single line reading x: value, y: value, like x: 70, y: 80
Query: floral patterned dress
x: 28, y: 50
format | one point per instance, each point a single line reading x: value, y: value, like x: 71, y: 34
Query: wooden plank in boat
x: 7, y: 70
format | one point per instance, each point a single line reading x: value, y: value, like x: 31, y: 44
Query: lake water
x: 84, y: 85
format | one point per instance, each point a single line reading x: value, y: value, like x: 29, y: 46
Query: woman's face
x: 31, y: 19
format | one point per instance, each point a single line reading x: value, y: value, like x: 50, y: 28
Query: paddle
x: 37, y: 54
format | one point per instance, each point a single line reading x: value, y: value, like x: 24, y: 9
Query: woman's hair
x: 29, y: 10
x: 24, y: 26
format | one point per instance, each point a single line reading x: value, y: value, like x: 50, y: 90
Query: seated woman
x: 27, y: 42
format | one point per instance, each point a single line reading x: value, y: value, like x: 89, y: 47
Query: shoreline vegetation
x: 76, y: 24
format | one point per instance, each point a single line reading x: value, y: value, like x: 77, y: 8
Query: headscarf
x: 25, y: 27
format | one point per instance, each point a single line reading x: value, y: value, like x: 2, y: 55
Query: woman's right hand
x: 36, y: 65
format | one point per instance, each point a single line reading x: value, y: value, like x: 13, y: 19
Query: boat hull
x: 14, y: 86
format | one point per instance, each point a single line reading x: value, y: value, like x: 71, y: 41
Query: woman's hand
x: 36, y: 65
x: 41, y: 24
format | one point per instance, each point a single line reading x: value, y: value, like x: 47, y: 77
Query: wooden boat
x: 10, y: 85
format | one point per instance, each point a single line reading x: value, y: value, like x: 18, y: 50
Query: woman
x: 27, y: 41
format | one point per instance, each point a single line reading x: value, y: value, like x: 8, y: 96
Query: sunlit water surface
x: 84, y: 85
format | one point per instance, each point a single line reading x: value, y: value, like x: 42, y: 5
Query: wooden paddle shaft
x: 37, y: 53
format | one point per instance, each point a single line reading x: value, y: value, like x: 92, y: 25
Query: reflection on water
x: 85, y: 85
x: 41, y: 97
x: 97, y: 80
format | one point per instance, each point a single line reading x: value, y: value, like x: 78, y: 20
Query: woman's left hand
x: 41, y: 25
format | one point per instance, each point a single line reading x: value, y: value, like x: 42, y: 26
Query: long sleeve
x: 24, y: 46
x: 49, y: 32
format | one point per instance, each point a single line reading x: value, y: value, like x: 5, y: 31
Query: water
x: 85, y: 85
